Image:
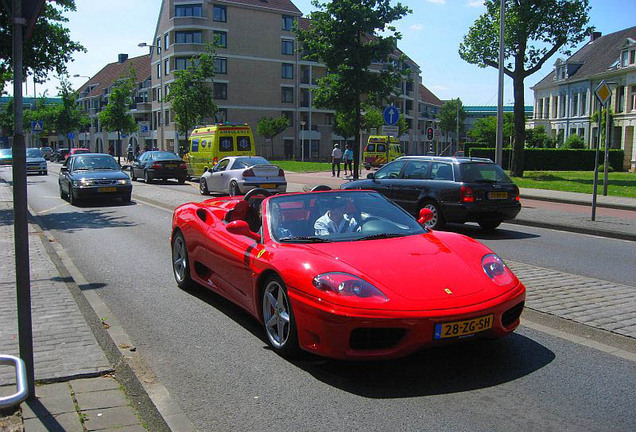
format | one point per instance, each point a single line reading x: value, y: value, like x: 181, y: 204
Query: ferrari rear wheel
x: 180, y: 265
x: 278, y: 318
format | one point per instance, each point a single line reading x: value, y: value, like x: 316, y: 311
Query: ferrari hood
x: 417, y: 268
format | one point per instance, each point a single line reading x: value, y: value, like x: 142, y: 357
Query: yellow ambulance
x: 210, y: 144
x: 381, y: 149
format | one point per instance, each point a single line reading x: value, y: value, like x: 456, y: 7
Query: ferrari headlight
x: 347, y: 285
x: 496, y: 270
x: 123, y: 182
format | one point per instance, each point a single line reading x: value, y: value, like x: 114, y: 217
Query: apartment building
x: 93, y: 97
x: 259, y: 73
x: 565, y: 100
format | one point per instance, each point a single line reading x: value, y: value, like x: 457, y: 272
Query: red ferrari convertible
x: 344, y: 273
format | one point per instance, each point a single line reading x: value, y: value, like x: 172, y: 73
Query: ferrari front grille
x: 374, y: 338
x: 512, y: 315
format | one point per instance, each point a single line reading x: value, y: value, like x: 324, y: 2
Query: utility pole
x: 500, y: 93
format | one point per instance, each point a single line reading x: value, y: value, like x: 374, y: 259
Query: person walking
x: 347, y: 158
x: 336, y: 157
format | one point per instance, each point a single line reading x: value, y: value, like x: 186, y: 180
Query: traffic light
x: 429, y: 134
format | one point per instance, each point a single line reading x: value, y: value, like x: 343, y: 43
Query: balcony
x: 187, y: 22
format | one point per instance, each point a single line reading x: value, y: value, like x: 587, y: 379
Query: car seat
x: 239, y: 212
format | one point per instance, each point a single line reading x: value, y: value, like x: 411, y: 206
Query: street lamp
x: 302, y: 139
x: 161, y: 89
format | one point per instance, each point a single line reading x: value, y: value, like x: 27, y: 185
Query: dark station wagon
x: 455, y: 189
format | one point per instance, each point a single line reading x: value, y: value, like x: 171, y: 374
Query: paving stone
x: 53, y: 404
x: 94, y: 384
x: 112, y: 418
x: 61, y: 423
x: 101, y: 399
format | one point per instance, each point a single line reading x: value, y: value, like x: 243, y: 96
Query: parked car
x: 454, y: 189
x: 385, y: 289
x: 35, y: 162
x: 154, y: 165
x: 6, y: 156
x: 93, y: 175
x: 47, y: 152
x: 236, y: 175
x: 76, y: 150
x: 60, y: 154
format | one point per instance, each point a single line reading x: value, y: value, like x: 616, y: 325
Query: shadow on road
x: 476, y: 232
x: 441, y: 370
x: 91, y: 219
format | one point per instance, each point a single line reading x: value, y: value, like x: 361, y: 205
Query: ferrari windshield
x: 337, y: 216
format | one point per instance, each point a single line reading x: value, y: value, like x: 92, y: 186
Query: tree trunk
x: 516, y: 168
x: 356, y: 145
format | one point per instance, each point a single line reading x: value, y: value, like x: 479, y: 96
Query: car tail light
x: 516, y: 193
x: 467, y: 195
x: 496, y: 270
x: 248, y: 173
x: 183, y: 166
x: 281, y: 173
x: 156, y: 166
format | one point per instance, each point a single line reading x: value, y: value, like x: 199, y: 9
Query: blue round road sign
x: 391, y: 115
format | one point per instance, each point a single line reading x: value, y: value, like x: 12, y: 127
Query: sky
x: 431, y: 35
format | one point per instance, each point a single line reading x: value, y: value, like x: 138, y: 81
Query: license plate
x: 498, y: 195
x: 463, y: 328
x: 109, y: 189
x: 268, y: 186
x: 170, y: 165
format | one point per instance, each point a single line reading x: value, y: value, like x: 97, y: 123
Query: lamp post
x: 161, y: 89
x: 302, y: 140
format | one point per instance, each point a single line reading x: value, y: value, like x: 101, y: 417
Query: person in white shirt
x: 336, y: 156
x: 335, y: 220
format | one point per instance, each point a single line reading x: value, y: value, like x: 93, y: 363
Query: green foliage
x: 574, y: 142
x: 344, y: 124
x: 594, y: 118
x: 539, y: 138
x: 372, y: 119
x: 620, y: 183
x: 49, y: 49
x: 269, y: 127
x: 191, y: 95
x: 347, y: 36
x: 6, y: 118
x: 554, y: 159
x: 116, y: 116
x: 485, y: 130
x: 534, y: 32
x: 448, y: 117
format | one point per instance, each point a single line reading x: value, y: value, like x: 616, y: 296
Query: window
x: 288, y: 22
x: 182, y: 37
x: 193, y: 10
x: 166, y: 40
x: 583, y: 103
x: 220, y: 91
x: 575, y: 104
x: 632, y: 57
x: 220, y: 65
x: 220, y: 39
x: 158, y: 43
x: 219, y: 13
x: 632, y: 99
x: 181, y: 63
x: 166, y: 67
x: 562, y: 104
x: 287, y: 94
x: 288, y: 47
x: 620, y: 99
x: 158, y: 70
x: 166, y: 90
x: 624, y: 58
x: 167, y: 116
x: 329, y: 119
x: 287, y: 71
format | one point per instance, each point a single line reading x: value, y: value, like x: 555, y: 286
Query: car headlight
x: 83, y: 182
x: 123, y: 181
x: 42, y: 164
x: 345, y: 285
x: 496, y: 270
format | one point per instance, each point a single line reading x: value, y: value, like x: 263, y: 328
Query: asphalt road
x: 213, y: 359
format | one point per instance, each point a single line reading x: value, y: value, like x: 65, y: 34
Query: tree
x: 448, y: 117
x: 191, y: 95
x: 485, y: 130
x: 347, y: 36
x: 539, y: 138
x: 67, y: 116
x: 116, y: 116
x: 574, y: 142
x: 49, y: 48
x: 535, y: 30
x: 603, y: 126
x: 269, y: 127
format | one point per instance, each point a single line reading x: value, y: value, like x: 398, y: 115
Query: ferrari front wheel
x: 180, y: 265
x: 278, y: 318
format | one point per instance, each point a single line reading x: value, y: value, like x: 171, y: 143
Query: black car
x: 456, y: 189
x: 93, y: 175
x: 59, y: 154
x: 152, y: 165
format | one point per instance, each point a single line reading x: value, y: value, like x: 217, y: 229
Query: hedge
x: 555, y: 159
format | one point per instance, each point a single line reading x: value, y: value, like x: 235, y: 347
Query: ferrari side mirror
x: 425, y: 216
x: 240, y: 227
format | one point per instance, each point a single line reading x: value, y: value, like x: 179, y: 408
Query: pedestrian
x: 129, y: 152
x: 336, y: 157
x: 111, y: 150
x: 348, y: 159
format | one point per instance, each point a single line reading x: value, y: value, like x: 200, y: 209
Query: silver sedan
x: 236, y: 175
